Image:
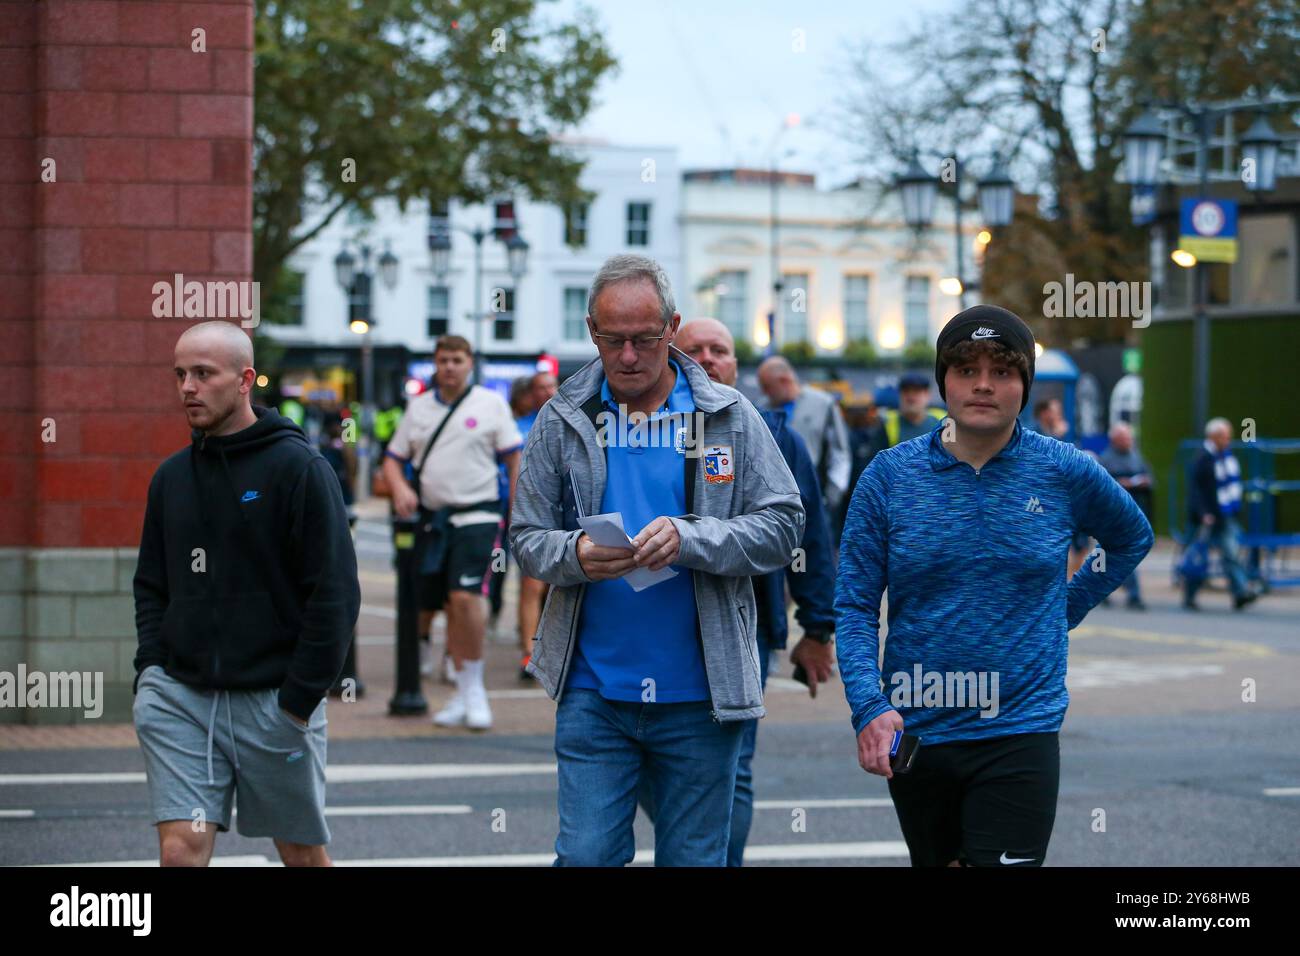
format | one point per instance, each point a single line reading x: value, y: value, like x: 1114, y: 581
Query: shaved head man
x: 815, y: 415
x: 778, y: 380
x: 246, y: 597
x: 215, y: 376
x: 709, y: 342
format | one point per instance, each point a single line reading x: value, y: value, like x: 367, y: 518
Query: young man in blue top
x: 657, y: 683
x: 969, y: 528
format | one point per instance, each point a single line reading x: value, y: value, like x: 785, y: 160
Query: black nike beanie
x: 982, y: 322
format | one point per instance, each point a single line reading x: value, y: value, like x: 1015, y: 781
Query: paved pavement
x: 1158, y: 744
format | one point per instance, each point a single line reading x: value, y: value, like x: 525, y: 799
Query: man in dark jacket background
x: 1213, y: 501
x: 811, y: 575
x: 246, y: 596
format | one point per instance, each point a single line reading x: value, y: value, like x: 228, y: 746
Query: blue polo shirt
x: 626, y: 638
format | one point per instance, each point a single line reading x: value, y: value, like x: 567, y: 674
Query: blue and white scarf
x: 1227, y: 479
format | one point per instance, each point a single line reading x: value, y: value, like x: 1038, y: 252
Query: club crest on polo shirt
x: 984, y: 332
x: 471, y: 423
x: 718, y: 465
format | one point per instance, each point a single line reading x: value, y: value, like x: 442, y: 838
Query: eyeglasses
x: 642, y: 343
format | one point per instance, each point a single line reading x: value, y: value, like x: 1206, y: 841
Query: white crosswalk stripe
x: 783, y: 852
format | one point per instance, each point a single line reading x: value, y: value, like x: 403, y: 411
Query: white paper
x: 607, y: 531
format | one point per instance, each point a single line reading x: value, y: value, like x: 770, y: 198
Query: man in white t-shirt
x: 459, y: 481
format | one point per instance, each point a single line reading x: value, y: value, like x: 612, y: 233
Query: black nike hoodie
x: 247, y: 576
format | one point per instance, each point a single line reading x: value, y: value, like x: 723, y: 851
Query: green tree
x: 440, y: 99
x: 1052, y: 85
x: 919, y: 354
x: 860, y: 352
x: 798, y: 352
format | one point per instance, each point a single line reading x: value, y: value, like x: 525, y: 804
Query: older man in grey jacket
x: 815, y: 415
x: 649, y: 678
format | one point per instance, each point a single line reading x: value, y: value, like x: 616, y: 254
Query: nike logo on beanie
x: 987, y: 322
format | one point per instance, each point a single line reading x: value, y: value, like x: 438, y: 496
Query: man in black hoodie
x: 246, y: 596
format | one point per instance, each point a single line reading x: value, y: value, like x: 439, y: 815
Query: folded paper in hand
x: 607, y: 531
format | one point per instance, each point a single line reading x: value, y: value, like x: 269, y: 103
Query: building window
x: 916, y: 310
x: 503, y: 320
x: 794, y: 307
x: 575, y: 224
x: 638, y: 224
x: 439, y: 313
x: 575, y: 314
x: 439, y: 217
x: 503, y: 219
x: 857, y: 291
x: 359, y: 299
x: 1265, y: 270
x: 733, y: 310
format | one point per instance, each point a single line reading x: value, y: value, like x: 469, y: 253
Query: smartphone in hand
x: 902, y: 752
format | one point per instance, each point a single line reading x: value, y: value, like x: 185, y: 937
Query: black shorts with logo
x: 464, y: 566
x: 982, y: 802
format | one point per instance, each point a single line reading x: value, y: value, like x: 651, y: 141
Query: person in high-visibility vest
x: 386, y: 422
x: 913, y: 417
x: 292, y: 409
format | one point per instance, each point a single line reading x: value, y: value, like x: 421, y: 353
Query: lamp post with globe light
x: 1146, y: 166
x: 994, y: 192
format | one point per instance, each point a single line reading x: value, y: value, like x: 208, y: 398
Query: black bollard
x: 349, y: 671
x: 408, y: 699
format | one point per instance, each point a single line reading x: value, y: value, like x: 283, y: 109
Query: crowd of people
x: 656, y: 642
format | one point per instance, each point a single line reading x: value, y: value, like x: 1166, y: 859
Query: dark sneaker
x: 1190, y: 605
x: 1241, y: 600
x: 1135, y: 604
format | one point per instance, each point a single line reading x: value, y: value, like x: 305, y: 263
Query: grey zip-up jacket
x: 750, y: 525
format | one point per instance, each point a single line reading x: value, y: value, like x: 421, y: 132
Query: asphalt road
x: 1158, y: 736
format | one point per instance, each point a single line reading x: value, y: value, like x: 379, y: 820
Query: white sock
x: 471, y: 674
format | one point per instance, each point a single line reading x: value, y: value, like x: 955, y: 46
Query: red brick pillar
x: 150, y: 143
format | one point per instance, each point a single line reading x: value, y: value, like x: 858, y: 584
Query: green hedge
x: 1254, y: 373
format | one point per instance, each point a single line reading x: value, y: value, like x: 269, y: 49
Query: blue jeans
x: 1134, y: 589
x: 1224, y: 536
x: 742, y: 807
x: 606, y: 748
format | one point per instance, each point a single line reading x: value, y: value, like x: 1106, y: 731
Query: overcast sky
x: 716, y: 77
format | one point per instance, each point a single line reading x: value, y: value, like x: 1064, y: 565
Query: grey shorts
x: 204, y: 749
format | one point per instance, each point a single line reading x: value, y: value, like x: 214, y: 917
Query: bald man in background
x: 816, y: 417
x: 811, y: 579
x: 246, y: 596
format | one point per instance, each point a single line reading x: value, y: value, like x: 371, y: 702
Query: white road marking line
x: 874, y: 850
x: 1092, y: 674
x: 335, y: 773
x: 414, y: 809
x: 1282, y: 791
x: 370, y: 773
x: 216, y: 861
x: 41, y: 779
x: 376, y: 611
x: 878, y: 849
x: 378, y: 810
x: 823, y: 804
